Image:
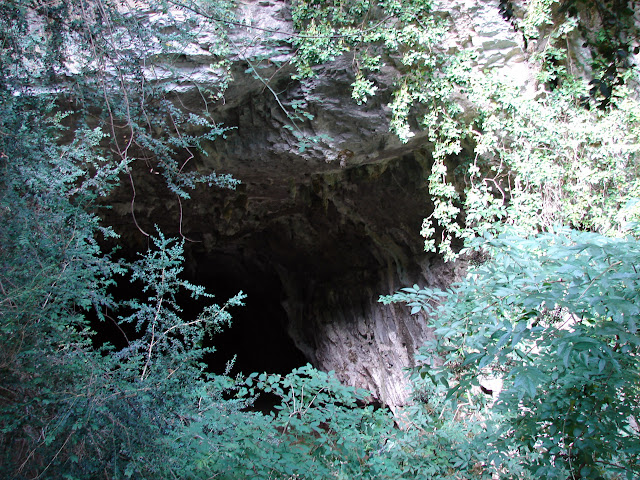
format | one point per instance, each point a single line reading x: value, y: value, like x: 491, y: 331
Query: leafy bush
x: 555, y: 316
x: 68, y: 410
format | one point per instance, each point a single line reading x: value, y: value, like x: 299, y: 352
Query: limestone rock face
x: 325, y: 231
x: 478, y: 25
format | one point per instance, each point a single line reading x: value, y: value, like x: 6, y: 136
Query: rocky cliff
x: 317, y: 235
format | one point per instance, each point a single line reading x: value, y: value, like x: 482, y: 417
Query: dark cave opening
x: 312, y: 254
x: 257, y: 337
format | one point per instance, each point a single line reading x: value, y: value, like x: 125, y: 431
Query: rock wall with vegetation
x: 334, y: 160
x: 331, y: 200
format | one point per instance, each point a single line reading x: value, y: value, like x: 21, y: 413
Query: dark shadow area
x: 258, y: 335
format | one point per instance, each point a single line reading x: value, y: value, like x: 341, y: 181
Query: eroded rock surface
x: 332, y: 227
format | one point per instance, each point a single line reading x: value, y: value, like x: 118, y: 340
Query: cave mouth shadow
x: 258, y: 337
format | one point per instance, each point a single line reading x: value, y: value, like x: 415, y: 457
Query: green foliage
x: 320, y: 430
x: 608, y: 29
x: 165, y: 340
x: 538, y: 162
x: 372, y: 30
x: 51, y: 272
x: 149, y: 410
x: 93, y: 56
x: 316, y: 431
x: 538, y: 14
x: 555, y: 316
x: 552, y: 316
x: 66, y: 409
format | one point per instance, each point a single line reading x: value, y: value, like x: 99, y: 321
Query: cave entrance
x: 258, y: 336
